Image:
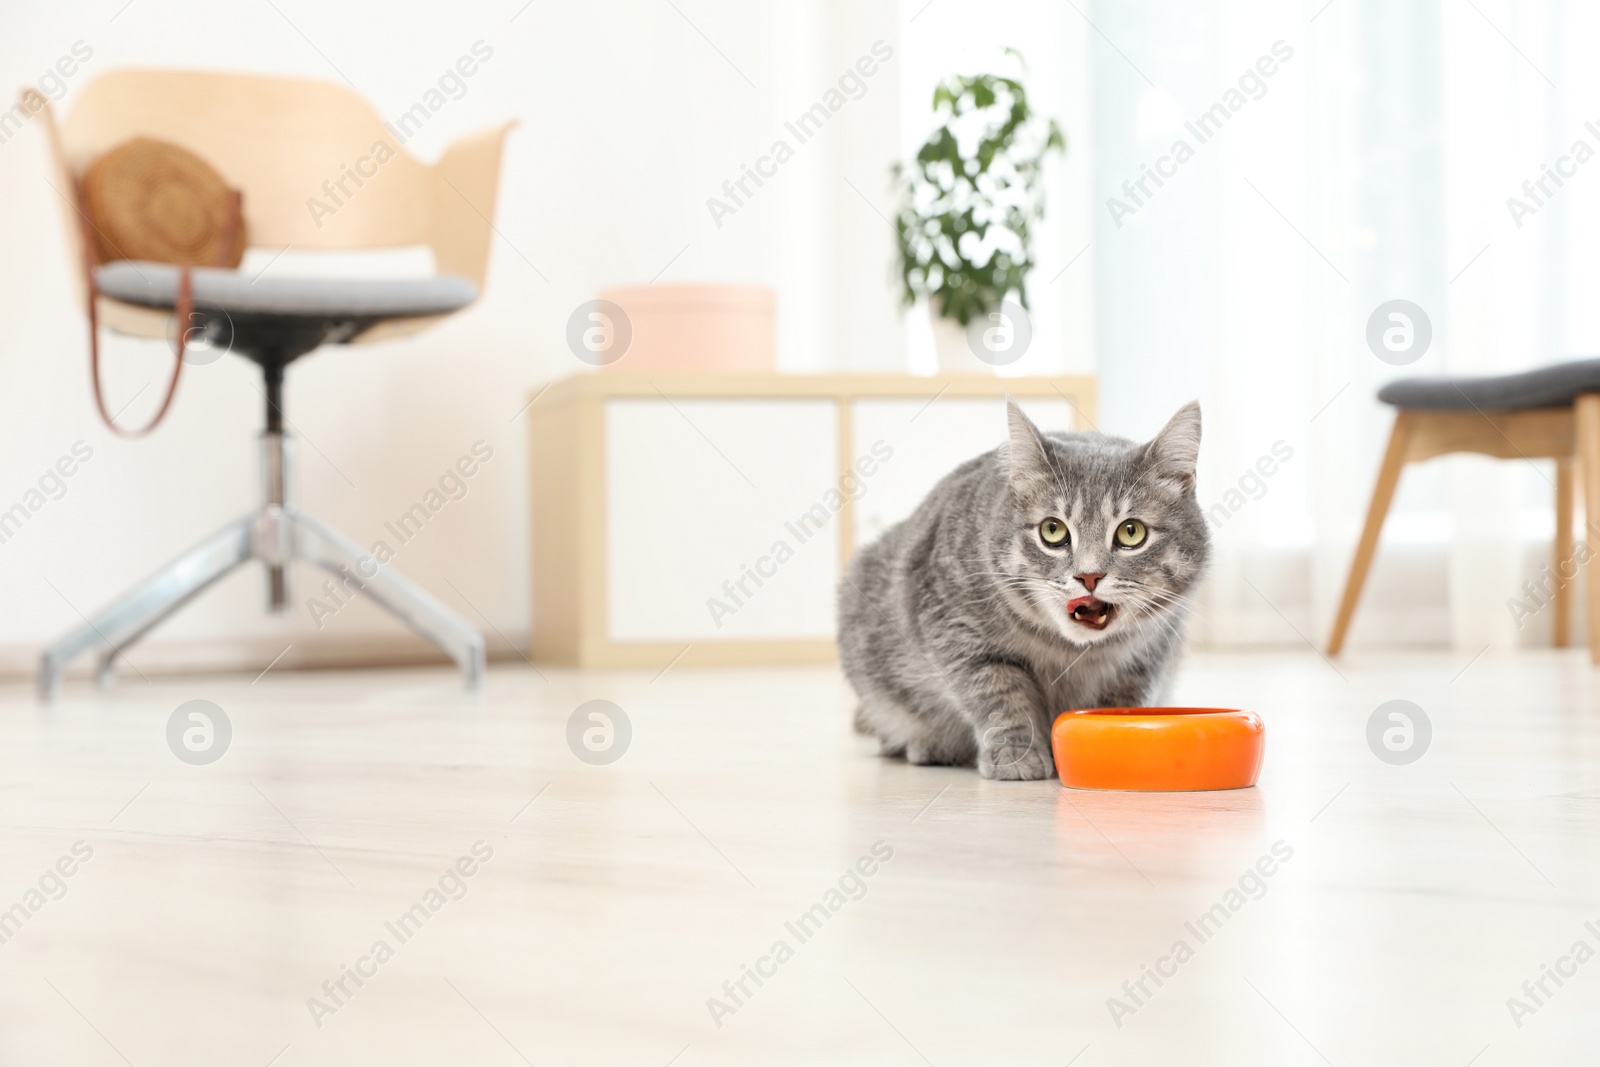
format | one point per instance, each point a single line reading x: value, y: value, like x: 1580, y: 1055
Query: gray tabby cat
x: 1049, y: 574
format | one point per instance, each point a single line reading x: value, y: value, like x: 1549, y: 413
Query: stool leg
x: 356, y: 571
x: 1588, y: 411
x: 1566, y: 484
x: 1394, y: 458
x: 126, y: 620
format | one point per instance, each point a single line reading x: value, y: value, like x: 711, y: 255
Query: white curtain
x: 1375, y: 164
x: 1365, y: 152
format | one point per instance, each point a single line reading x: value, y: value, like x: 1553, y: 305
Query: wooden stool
x: 1549, y: 413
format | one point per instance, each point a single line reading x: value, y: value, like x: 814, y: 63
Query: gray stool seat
x: 1556, y: 385
x: 156, y: 285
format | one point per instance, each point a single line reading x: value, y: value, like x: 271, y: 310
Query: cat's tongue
x: 1090, y: 611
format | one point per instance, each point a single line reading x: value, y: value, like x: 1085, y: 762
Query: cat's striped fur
x: 954, y: 626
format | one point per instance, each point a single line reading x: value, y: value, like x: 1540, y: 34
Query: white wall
x: 632, y: 113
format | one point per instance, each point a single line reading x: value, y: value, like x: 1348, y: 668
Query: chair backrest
x: 317, y: 165
x: 278, y: 140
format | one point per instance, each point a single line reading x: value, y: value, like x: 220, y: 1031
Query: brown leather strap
x: 184, y: 311
x: 230, y: 229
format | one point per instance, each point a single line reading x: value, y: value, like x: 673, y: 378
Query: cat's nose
x: 1089, y: 580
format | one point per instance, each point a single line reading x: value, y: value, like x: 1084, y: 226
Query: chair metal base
x: 277, y: 534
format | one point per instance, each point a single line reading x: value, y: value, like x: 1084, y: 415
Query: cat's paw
x: 1015, y: 761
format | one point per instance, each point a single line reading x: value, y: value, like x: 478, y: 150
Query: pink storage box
x: 698, y: 327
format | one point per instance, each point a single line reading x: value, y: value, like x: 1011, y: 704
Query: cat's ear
x: 1025, y: 452
x: 1174, y: 453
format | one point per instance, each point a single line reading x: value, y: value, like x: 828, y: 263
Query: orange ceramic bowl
x: 1158, y: 749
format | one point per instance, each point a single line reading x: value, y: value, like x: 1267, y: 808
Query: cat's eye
x: 1053, y: 531
x: 1131, y: 534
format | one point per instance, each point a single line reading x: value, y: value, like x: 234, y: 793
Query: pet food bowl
x: 1158, y: 749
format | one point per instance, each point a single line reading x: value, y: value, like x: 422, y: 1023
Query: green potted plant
x: 969, y: 202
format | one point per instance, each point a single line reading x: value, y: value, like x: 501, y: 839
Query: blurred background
x: 1375, y: 163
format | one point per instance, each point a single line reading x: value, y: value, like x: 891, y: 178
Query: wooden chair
x: 1551, y: 412
x: 318, y: 169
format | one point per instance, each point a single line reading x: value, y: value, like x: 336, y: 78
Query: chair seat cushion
x: 156, y: 285
x: 1556, y: 385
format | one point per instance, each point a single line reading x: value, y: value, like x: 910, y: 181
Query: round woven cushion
x: 150, y: 200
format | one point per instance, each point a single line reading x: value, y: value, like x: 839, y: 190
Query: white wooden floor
x: 618, y: 900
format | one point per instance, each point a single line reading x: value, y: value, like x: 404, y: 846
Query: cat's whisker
x: 1158, y: 591
x: 1167, y: 622
x: 1165, y: 598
